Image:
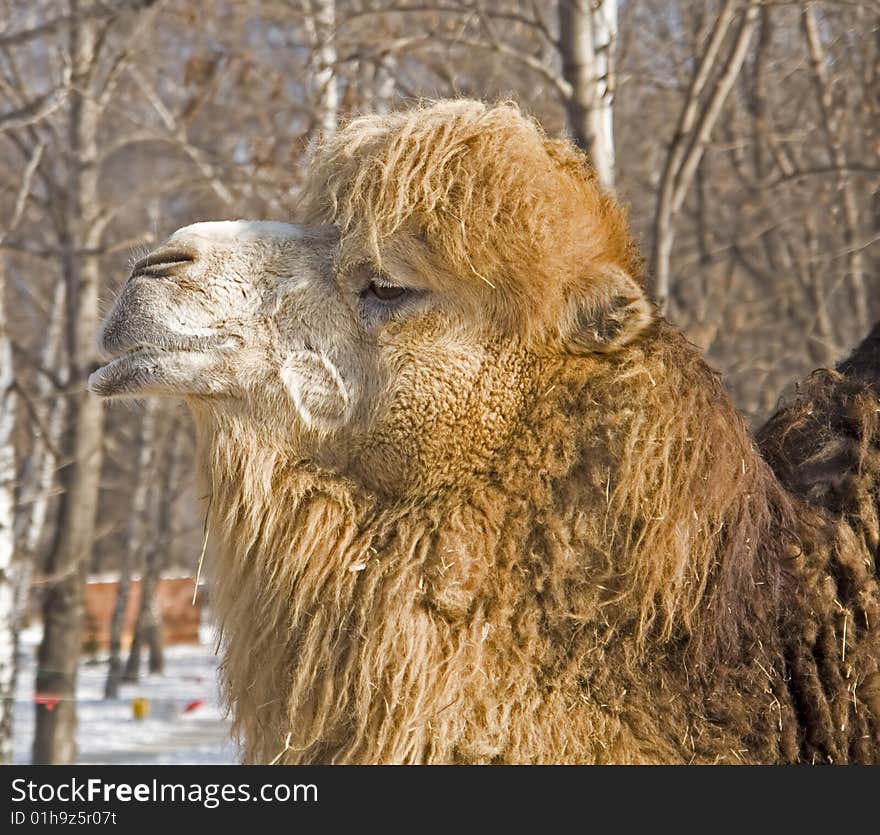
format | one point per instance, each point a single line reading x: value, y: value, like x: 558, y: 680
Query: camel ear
x: 610, y: 318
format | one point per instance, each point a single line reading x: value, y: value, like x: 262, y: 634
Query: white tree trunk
x: 320, y: 22
x: 63, y: 603
x: 37, y: 477
x: 8, y: 614
x: 587, y: 37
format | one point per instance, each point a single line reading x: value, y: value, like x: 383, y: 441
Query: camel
x: 472, y: 500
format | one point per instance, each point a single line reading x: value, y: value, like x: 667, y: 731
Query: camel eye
x: 385, y: 292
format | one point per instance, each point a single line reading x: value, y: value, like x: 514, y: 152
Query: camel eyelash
x: 385, y: 291
x: 383, y: 301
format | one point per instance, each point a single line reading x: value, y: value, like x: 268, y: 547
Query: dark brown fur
x: 825, y: 448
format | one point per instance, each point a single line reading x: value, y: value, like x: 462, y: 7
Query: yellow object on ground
x: 140, y: 708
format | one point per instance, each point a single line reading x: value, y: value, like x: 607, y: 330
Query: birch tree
x: 319, y: 17
x: 587, y: 39
x: 8, y: 616
x: 11, y: 563
x: 573, y: 54
x: 46, y: 408
x: 81, y: 232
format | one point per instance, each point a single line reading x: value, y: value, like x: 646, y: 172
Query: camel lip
x: 136, y: 369
x: 121, y: 352
x: 140, y: 350
x: 118, y: 347
x: 131, y: 368
x: 113, y: 376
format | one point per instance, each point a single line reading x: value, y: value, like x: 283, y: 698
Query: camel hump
x: 864, y: 363
x: 824, y: 445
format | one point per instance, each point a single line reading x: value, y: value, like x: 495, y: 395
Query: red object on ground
x: 48, y: 700
x: 193, y: 705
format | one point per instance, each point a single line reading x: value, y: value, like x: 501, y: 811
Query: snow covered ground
x: 108, y: 733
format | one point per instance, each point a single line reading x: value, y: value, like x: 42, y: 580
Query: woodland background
x: 743, y: 136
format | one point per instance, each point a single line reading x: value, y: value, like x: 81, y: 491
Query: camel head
x: 445, y: 255
x: 245, y: 316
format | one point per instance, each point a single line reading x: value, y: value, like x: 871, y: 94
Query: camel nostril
x: 163, y: 262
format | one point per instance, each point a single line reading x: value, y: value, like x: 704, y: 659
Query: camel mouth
x: 119, y: 338
x: 158, y: 369
x: 131, y: 370
x: 138, y: 352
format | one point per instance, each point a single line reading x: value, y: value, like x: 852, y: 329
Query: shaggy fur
x: 544, y: 535
x: 497, y: 203
x: 624, y: 580
x: 825, y: 447
x: 526, y: 618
